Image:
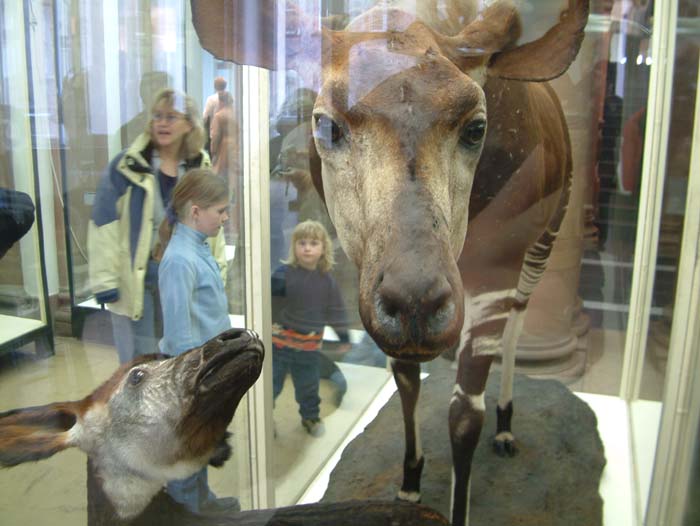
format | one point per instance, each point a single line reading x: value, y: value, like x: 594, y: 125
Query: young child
x: 306, y: 297
x: 195, y: 308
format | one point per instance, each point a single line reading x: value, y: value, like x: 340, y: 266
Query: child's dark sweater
x: 307, y: 300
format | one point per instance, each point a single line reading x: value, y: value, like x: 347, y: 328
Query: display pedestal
x: 553, y: 479
x: 16, y: 332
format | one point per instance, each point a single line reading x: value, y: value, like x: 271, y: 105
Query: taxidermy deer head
x: 156, y: 419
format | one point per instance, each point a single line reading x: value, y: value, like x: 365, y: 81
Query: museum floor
x: 53, y: 491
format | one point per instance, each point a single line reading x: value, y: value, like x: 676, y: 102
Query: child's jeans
x: 305, y: 371
x: 191, y: 492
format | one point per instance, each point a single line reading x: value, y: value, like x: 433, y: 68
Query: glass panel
x: 577, y: 320
x: 674, y: 199
x: 614, y: 59
x: 22, y: 301
x: 692, y: 512
x: 79, y: 84
x: 320, y: 349
x: 97, y: 69
x: 680, y: 145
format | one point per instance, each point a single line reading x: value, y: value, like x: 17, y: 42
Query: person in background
x: 16, y: 217
x: 211, y: 106
x: 129, y: 205
x: 195, y: 308
x: 226, y: 162
x: 224, y: 139
x: 306, y: 298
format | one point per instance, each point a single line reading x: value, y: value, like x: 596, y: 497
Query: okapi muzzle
x: 411, y: 299
x: 221, y: 372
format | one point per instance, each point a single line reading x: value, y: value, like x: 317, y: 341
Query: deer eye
x: 136, y: 376
x: 327, y: 131
x: 473, y: 133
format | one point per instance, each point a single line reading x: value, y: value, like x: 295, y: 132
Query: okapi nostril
x: 390, y: 309
x: 390, y: 297
x: 232, y: 334
x: 390, y: 323
x: 441, y: 319
x: 439, y: 295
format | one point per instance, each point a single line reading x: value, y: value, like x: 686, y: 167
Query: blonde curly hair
x: 312, y: 230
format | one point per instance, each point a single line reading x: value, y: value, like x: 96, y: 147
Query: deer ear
x: 245, y: 32
x: 35, y: 433
x: 549, y: 56
x: 238, y: 31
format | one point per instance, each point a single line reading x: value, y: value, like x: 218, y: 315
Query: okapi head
x: 398, y: 128
x: 156, y: 419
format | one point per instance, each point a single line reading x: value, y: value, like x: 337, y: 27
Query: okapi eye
x: 473, y: 133
x: 327, y: 131
x: 136, y: 376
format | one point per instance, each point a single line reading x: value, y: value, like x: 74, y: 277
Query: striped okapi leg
x: 504, y: 441
x: 466, y: 417
x: 407, y: 378
x: 534, y: 266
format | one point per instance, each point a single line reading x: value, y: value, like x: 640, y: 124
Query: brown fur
x: 399, y: 91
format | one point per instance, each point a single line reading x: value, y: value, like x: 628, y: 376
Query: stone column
x: 555, y: 326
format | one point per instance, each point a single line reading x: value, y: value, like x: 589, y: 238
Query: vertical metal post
x: 681, y: 402
x: 256, y: 203
x: 652, y: 185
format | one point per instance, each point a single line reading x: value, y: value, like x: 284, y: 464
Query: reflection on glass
x: 306, y: 298
x: 96, y: 71
x: 317, y: 308
x: 692, y: 511
x: 22, y: 301
x: 680, y: 144
x: 103, y: 65
x: 674, y: 199
x: 576, y: 324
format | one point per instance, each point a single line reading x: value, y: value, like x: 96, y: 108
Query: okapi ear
x: 549, y: 56
x: 35, y: 433
x: 497, y: 28
x: 238, y: 31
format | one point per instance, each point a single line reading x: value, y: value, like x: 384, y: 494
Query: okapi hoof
x: 504, y: 445
x: 408, y: 496
x: 410, y: 488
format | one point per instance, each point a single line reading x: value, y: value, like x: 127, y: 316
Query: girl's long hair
x: 200, y: 187
x: 193, y: 142
x: 312, y: 230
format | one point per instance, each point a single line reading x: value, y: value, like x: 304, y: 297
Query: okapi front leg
x: 466, y: 418
x: 407, y: 378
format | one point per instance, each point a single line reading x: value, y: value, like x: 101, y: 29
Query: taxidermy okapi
x: 158, y: 419
x: 444, y: 160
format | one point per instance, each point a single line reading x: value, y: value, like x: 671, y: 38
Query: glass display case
x: 613, y: 317
x: 24, y: 304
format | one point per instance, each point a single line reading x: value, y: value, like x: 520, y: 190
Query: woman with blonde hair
x: 130, y: 204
